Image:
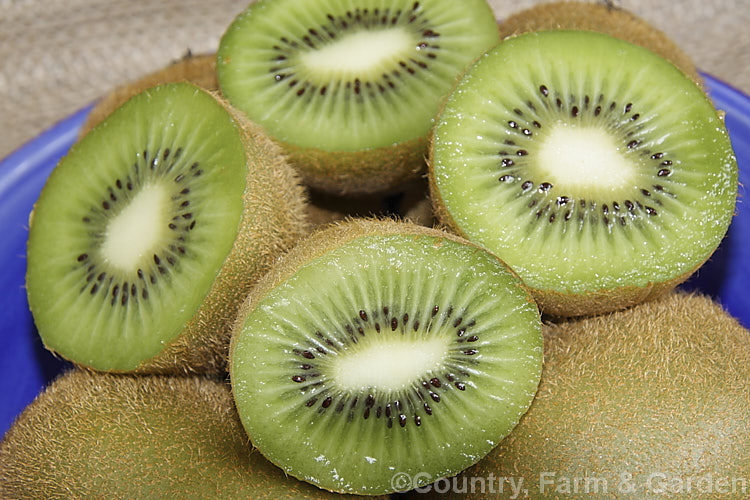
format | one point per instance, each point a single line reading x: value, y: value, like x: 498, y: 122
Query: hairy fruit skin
x: 655, y: 394
x: 355, y: 173
x: 98, y: 435
x: 273, y: 220
x: 612, y: 20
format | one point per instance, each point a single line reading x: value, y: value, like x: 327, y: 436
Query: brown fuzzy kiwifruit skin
x: 603, y: 18
x: 352, y: 173
x: 91, y: 435
x: 648, y: 398
x: 199, y: 69
x: 556, y: 304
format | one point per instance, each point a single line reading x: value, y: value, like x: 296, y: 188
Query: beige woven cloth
x: 57, y: 56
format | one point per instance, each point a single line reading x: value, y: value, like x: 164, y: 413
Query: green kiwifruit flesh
x: 650, y: 402
x: 97, y: 435
x: 149, y: 233
x: 377, y: 347
x: 604, y: 18
x: 351, y: 88
x: 199, y: 69
x: 596, y: 169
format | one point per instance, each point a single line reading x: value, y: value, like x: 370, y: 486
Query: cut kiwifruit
x: 377, y: 348
x: 651, y: 402
x: 351, y: 88
x: 149, y: 233
x: 596, y: 169
x: 96, y: 435
x: 197, y: 69
x: 604, y: 18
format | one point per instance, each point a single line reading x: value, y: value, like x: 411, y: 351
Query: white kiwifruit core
x: 355, y: 53
x: 388, y: 364
x: 137, y: 230
x: 579, y: 158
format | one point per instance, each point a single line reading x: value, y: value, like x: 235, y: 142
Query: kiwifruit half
x: 604, y: 17
x: 650, y: 402
x: 596, y: 169
x: 351, y: 88
x: 148, y: 234
x: 377, y: 350
x: 199, y: 69
x: 98, y: 435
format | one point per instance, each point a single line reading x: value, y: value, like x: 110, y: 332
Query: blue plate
x: 26, y: 367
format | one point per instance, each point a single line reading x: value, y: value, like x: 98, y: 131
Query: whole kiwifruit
x: 149, y: 233
x: 199, y: 69
x: 351, y: 88
x: 650, y: 402
x: 96, y: 435
x: 596, y: 169
x: 377, y: 349
x: 603, y: 17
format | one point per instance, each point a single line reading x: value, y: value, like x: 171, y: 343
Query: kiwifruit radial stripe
x: 402, y: 351
x: 133, y: 226
x: 585, y: 163
x: 349, y: 75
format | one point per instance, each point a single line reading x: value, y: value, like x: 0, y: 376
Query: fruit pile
x: 371, y: 247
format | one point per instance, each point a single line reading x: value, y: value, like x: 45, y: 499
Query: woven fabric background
x: 57, y: 56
